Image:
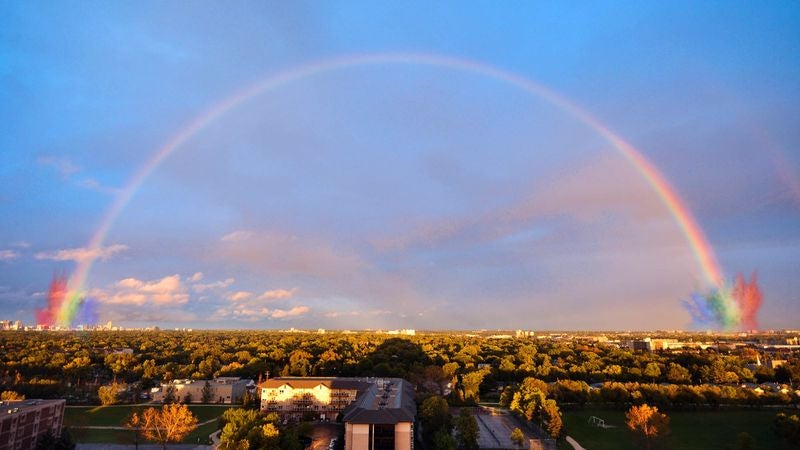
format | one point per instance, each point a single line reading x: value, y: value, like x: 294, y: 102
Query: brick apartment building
x: 23, y: 422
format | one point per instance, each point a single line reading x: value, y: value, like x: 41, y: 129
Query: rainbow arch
x: 694, y: 235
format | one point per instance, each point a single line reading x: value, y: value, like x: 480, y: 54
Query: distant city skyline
x: 463, y: 167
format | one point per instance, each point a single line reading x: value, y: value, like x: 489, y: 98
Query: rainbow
x: 682, y: 216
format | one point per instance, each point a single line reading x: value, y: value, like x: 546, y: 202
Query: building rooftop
x: 215, y: 381
x: 385, y: 401
x: 378, y: 400
x: 16, y: 406
x: 312, y: 382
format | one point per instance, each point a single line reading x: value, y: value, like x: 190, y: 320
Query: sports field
x: 115, y: 416
x: 691, y: 430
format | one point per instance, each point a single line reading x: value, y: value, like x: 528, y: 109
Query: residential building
x: 378, y: 413
x: 23, y: 422
x: 221, y: 390
x: 324, y: 397
x: 382, y: 417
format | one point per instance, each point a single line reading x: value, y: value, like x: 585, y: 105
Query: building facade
x: 23, y: 422
x: 382, y: 417
x: 295, y: 397
x: 221, y: 390
x: 378, y: 413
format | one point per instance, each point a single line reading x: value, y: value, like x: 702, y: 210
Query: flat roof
x: 386, y: 401
x: 15, y: 406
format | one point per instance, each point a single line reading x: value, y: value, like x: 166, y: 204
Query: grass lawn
x: 691, y: 430
x: 115, y: 416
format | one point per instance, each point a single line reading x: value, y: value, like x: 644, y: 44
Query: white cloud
x: 238, y: 236
x: 239, y: 296
x: 165, y: 291
x: 249, y: 311
x: 278, y: 294
x: 196, y: 277
x: 62, y: 164
x: 91, y: 183
x: 82, y: 254
x: 8, y: 255
x: 69, y: 172
x: 296, y: 311
x: 21, y: 244
x: 374, y: 312
x: 215, y: 285
x: 130, y: 283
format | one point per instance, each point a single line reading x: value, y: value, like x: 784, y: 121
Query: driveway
x: 322, y: 435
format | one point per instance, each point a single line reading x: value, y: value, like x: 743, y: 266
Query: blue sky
x: 398, y: 195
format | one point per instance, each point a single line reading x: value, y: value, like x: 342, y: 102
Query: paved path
x: 142, y: 447
x: 116, y: 427
x: 574, y: 443
x: 215, y: 438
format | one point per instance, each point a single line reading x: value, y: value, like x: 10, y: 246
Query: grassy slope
x: 691, y: 430
x: 116, y: 415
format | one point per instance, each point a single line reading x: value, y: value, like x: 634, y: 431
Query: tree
x: 237, y: 425
x: 652, y: 371
x: 207, y: 393
x: 434, y: 413
x: 470, y: 385
x: 676, y: 373
x: 647, y: 422
x: 467, y: 431
x: 171, y: 423
x: 443, y: 440
x: 133, y: 423
x: 552, y: 418
x: 149, y: 369
x: 169, y: 395
x: 11, y: 396
x: 249, y: 400
x: 118, y: 363
x: 268, y: 437
x: 529, y: 398
x: 517, y: 437
x: 48, y: 441
x: 434, y: 379
x: 290, y: 440
x: 109, y: 394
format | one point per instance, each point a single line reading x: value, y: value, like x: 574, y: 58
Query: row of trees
x: 664, y: 395
x: 67, y: 364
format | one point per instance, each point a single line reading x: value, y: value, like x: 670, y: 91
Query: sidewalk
x: 574, y: 443
x: 142, y: 447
